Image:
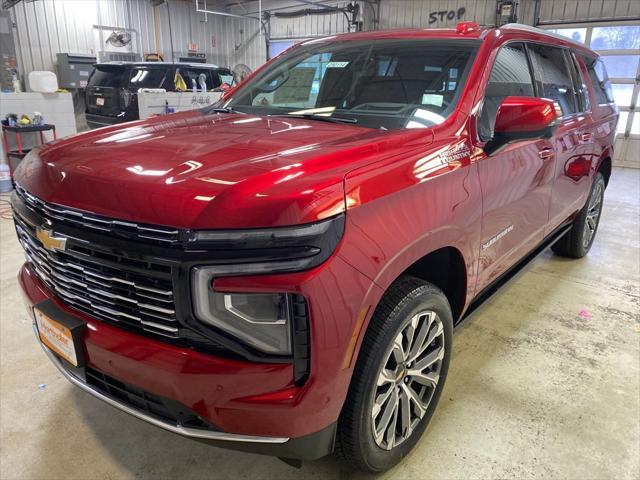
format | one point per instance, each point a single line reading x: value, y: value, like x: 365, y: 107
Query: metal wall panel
x: 47, y: 27
x: 298, y: 27
x: 571, y: 11
x: 417, y: 13
x: 237, y: 40
x: 309, y: 25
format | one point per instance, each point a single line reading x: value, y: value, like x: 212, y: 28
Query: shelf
x: 28, y: 128
x: 17, y: 154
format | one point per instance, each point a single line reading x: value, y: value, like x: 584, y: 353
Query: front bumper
x: 308, y: 447
x: 254, y: 406
x: 179, y: 429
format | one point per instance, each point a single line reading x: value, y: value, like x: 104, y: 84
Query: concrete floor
x: 535, y: 388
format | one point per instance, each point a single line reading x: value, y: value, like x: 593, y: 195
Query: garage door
x: 619, y: 45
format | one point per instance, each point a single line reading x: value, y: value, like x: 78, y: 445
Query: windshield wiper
x: 321, y: 118
x: 224, y: 110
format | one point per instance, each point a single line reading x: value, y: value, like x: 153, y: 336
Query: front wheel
x: 398, y: 377
x: 578, y: 240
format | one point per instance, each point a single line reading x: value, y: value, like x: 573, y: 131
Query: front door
x: 516, y: 182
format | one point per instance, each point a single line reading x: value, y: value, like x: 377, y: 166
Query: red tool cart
x: 20, y: 151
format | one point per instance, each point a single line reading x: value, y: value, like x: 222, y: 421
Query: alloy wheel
x: 407, y: 380
x: 593, y: 214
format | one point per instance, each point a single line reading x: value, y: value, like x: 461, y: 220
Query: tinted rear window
x: 557, y: 83
x: 147, y: 77
x: 113, y: 77
x: 127, y: 77
x: 600, y: 81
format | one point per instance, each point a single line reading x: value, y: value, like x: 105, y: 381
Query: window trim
x: 580, y: 89
x: 483, y: 90
x: 597, y: 59
x: 534, y: 70
x: 569, y: 73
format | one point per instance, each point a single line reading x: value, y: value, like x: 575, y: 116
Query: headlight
x: 261, y: 320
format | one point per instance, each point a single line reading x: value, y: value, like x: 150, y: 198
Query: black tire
x: 403, y: 306
x: 577, y: 242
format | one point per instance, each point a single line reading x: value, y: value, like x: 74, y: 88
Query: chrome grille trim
x: 82, y: 283
x: 79, y: 218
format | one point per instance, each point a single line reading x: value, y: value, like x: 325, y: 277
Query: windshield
x: 109, y: 76
x: 389, y: 84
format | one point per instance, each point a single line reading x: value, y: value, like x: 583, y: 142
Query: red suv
x: 282, y: 272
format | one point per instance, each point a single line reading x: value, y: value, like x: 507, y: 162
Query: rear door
x: 103, y: 89
x: 516, y: 181
x: 112, y: 89
x: 559, y: 79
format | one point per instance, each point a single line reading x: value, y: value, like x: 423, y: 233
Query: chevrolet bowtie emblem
x: 49, y: 242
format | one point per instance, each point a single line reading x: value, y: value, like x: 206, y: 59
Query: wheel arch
x: 445, y: 268
x: 604, y: 167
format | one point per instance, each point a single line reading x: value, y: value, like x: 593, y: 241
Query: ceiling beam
x: 216, y: 12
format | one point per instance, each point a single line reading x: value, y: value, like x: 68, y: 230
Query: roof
x: 479, y: 33
x: 406, y: 33
x: 147, y: 64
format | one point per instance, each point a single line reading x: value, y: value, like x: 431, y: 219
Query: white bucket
x: 42, y: 81
x: 5, y: 179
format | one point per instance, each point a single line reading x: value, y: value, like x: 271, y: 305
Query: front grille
x: 165, y: 409
x: 132, y: 293
x: 128, y: 282
x: 78, y: 218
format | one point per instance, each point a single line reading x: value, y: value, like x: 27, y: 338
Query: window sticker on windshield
x: 337, y: 64
x: 228, y: 79
x: 432, y: 99
x: 297, y: 88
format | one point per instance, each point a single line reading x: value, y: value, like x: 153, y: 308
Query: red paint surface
x: 403, y: 195
x: 525, y: 114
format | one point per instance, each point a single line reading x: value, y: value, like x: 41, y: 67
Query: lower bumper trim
x: 195, y: 433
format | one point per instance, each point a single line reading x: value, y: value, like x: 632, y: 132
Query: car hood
x: 194, y: 170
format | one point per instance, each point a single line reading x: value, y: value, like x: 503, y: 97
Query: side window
x: 224, y: 76
x: 556, y: 79
x: 510, y: 76
x: 579, y: 86
x: 190, y: 75
x: 600, y: 80
x: 213, y: 79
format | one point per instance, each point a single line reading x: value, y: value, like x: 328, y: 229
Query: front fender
x: 402, y: 210
x: 396, y: 217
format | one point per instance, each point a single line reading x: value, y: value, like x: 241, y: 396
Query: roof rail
x: 529, y: 28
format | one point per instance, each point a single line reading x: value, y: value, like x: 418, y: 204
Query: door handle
x: 545, y: 153
x: 585, y: 137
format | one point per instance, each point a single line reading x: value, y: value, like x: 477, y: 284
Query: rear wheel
x: 578, y: 240
x: 398, y: 377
